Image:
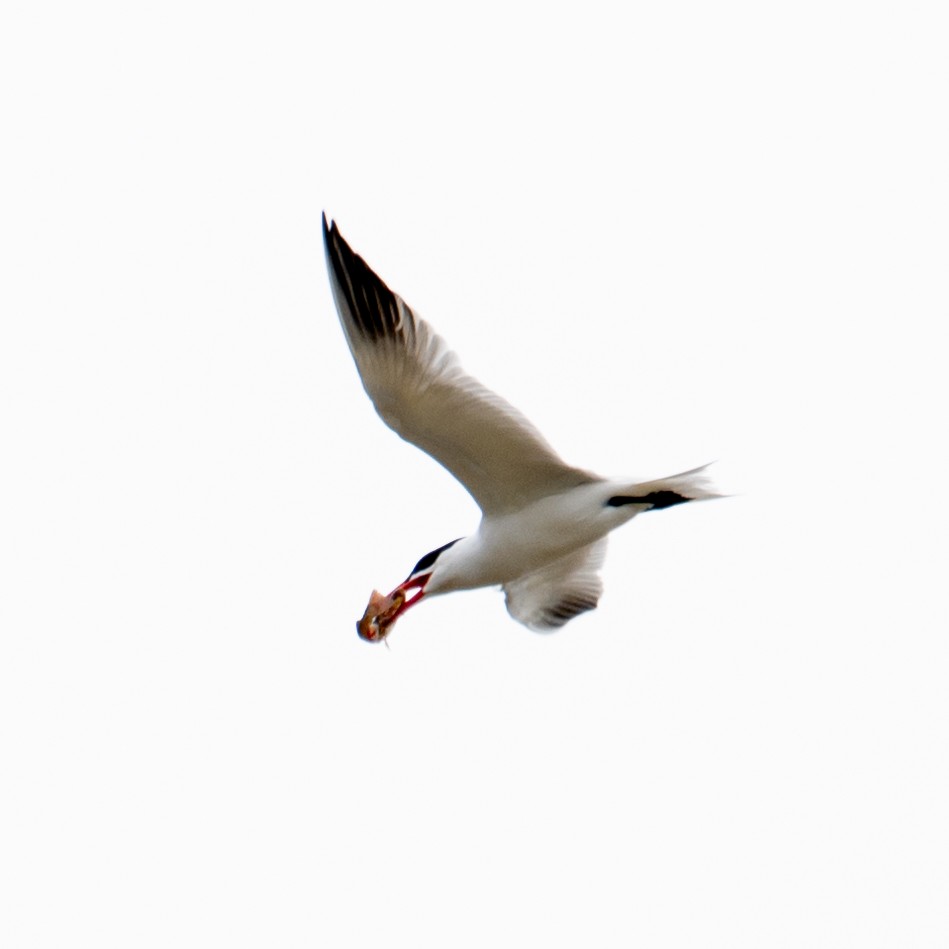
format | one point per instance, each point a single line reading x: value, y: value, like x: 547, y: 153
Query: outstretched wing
x: 420, y: 390
x: 552, y: 596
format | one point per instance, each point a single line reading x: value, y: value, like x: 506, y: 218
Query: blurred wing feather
x: 550, y: 597
x: 420, y: 390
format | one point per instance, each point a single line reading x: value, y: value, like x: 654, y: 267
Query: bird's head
x: 383, y: 611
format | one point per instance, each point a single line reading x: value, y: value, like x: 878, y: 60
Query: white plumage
x: 544, y: 523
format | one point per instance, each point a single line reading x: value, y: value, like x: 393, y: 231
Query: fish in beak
x: 383, y: 611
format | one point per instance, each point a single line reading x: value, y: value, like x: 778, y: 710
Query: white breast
x: 509, y: 546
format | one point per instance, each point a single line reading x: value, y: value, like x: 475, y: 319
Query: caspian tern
x: 542, y: 536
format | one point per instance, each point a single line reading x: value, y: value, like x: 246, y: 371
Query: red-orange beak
x: 403, y: 589
x: 383, y: 611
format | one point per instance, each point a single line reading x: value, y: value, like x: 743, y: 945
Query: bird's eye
x: 429, y: 559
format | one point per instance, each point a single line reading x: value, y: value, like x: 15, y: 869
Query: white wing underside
x: 552, y: 596
x: 420, y: 390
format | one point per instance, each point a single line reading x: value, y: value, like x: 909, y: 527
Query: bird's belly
x: 513, y: 545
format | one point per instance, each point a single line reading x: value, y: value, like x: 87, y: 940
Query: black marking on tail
x: 655, y: 499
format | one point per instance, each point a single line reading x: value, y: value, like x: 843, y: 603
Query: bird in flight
x: 544, y: 523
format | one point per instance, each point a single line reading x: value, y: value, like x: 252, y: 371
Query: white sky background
x: 669, y: 233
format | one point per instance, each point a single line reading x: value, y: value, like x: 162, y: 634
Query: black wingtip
x: 374, y: 308
x: 336, y: 243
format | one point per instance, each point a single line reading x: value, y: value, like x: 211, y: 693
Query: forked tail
x: 691, y: 485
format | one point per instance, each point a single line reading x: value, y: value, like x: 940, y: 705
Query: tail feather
x: 692, y: 485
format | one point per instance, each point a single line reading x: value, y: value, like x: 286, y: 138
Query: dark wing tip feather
x: 568, y: 608
x: 375, y: 309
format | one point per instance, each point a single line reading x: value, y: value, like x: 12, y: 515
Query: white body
x: 509, y: 546
x: 544, y: 523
